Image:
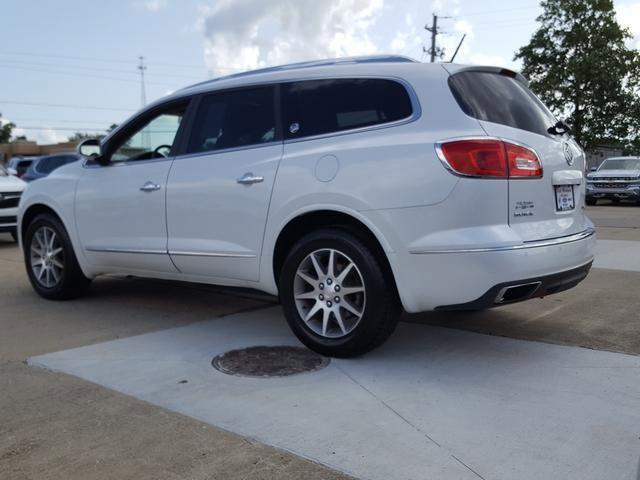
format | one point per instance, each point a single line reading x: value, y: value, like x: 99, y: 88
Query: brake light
x: 490, y: 158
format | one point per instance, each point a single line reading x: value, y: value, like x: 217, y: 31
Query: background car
x: 617, y: 178
x: 11, y: 189
x: 43, y: 166
x: 18, y: 166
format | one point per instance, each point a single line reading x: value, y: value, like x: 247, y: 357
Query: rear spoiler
x: 453, y: 68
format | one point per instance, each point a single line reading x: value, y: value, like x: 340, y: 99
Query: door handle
x: 149, y: 187
x: 249, y: 178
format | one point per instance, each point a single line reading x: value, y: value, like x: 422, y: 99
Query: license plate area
x: 565, y: 198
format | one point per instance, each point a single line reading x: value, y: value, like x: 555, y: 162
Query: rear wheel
x: 591, y: 201
x: 335, y: 295
x: 51, y: 263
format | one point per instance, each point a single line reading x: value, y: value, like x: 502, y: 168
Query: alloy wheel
x: 47, y: 257
x: 329, y: 293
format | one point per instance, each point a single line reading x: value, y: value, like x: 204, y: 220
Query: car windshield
x: 621, y: 164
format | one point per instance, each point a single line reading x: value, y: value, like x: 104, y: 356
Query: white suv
x: 350, y: 188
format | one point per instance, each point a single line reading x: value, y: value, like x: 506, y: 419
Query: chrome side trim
x: 210, y: 254
x: 126, y: 250
x: 522, y: 246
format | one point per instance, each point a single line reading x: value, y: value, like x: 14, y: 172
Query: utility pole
x: 434, y: 33
x: 143, y: 95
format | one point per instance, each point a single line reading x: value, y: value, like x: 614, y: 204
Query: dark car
x: 43, y: 166
x: 20, y: 165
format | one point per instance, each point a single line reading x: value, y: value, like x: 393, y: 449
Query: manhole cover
x: 269, y: 361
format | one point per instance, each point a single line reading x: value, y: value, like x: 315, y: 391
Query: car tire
x: 51, y: 263
x: 591, y: 201
x: 354, y: 303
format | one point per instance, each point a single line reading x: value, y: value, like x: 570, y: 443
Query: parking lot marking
x: 498, y: 408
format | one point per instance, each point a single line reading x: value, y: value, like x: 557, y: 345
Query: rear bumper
x: 525, y: 289
x: 474, y: 278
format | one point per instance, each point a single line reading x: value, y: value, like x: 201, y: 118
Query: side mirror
x: 91, y: 148
x: 12, y: 171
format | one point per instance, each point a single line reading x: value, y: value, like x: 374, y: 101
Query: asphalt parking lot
x: 54, y: 425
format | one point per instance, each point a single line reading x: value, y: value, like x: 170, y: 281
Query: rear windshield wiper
x: 560, y: 128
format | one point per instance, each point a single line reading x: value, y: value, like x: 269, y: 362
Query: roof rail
x: 313, y: 63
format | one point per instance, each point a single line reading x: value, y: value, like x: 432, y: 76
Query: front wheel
x: 51, y: 263
x: 336, y: 296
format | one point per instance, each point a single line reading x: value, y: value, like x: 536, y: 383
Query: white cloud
x: 153, y: 5
x: 629, y: 16
x: 247, y: 34
x: 42, y: 137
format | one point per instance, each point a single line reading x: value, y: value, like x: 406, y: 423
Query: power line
x: 59, y: 105
x: 87, y: 75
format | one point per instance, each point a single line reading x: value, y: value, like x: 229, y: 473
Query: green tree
x: 6, y: 130
x: 579, y: 63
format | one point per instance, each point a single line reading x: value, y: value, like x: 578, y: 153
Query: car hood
x: 615, y: 174
x: 11, y: 184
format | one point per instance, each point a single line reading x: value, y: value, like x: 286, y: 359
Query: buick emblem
x: 568, y: 153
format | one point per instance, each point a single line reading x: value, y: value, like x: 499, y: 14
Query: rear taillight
x: 490, y: 158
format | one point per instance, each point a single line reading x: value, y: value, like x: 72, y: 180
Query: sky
x: 72, y: 65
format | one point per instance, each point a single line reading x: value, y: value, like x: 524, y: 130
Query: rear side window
x: 235, y: 118
x: 500, y: 99
x: 316, y: 107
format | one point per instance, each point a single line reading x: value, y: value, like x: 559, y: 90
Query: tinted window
x: 323, y: 106
x: 235, y: 118
x: 500, y: 99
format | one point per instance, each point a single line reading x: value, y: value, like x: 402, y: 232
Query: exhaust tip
x: 516, y: 293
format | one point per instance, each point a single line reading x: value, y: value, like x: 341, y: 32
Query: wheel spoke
x: 338, y: 316
x: 350, y: 308
x: 316, y: 307
x: 307, y: 278
x: 332, y: 259
x: 351, y: 290
x: 56, y: 251
x: 55, y: 275
x: 316, y: 266
x: 52, y: 239
x: 343, y: 274
x: 307, y: 295
x: 325, y: 321
x: 41, y: 272
x: 40, y: 240
x: 57, y: 263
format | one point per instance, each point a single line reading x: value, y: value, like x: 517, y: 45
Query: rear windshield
x: 500, y: 99
x: 621, y: 164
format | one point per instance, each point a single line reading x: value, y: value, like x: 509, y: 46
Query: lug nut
x: 329, y: 304
x: 337, y: 299
x: 337, y: 288
x: 321, y: 286
x: 329, y: 281
x: 321, y: 297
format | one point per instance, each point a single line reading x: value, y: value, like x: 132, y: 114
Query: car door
x: 219, y: 191
x: 121, y: 206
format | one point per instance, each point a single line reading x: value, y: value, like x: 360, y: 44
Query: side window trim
x: 416, y: 109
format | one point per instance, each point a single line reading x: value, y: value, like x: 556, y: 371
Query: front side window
x: 236, y: 118
x: 316, y: 107
x: 154, y: 139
